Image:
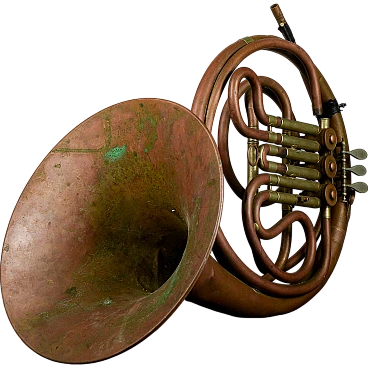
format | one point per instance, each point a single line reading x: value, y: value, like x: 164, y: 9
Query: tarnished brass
x: 300, y: 143
x: 359, y: 153
x: 302, y: 172
x: 293, y: 125
x: 297, y: 126
x: 324, y: 123
x: 298, y: 155
x: 358, y: 170
x: 252, y: 158
x: 359, y: 187
x: 343, y: 158
x: 294, y: 199
x: 287, y: 182
x: 248, y: 40
x: 284, y: 168
x: 326, y: 212
x: 293, y: 154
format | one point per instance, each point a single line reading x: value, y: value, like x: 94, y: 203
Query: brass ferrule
x: 324, y: 123
x: 272, y: 137
x: 272, y: 167
x: 273, y: 121
x: 326, y: 212
x: 248, y: 40
x: 253, y: 140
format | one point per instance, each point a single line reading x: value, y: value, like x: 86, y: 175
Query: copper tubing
x: 285, y: 262
x: 267, y: 136
x: 298, y: 256
x: 204, y: 90
x: 282, y: 168
x: 276, y: 230
x: 280, y: 97
x: 288, y: 293
x: 205, y: 107
x: 255, y: 281
x: 255, y: 244
x: 219, y: 290
x: 293, y: 154
x: 257, y: 93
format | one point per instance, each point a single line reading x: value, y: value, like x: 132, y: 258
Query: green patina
x: 134, y: 214
x: 147, y: 121
x: 131, y: 214
x: 72, y: 291
x: 107, y: 301
x: 139, y: 239
x: 115, y: 153
x: 211, y: 183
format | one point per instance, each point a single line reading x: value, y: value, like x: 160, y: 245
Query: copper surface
x: 115, y: 228
x: 111, y: 231
x: 277, y: 298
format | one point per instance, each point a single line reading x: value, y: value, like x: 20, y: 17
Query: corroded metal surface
x: 111, y: 231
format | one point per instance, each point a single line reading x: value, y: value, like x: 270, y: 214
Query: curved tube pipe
x: 271, y: 89
x: 212, y: 84
x: 216, y: 288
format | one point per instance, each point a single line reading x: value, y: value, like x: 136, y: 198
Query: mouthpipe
x: 277, y: 13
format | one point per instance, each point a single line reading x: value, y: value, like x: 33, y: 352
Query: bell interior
x: 111, y: 231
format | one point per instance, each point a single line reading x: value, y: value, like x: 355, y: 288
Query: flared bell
x: 112, y: 231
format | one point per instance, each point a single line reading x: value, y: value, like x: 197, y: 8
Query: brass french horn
x: 116, y: 226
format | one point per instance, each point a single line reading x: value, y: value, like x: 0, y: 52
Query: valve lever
x: 358, y: 170
x: 359, y: 187
x: 359, y: 153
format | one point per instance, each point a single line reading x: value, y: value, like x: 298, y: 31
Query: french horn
x: 116, y: 226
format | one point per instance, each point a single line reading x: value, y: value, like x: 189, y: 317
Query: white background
x: 63, y: 61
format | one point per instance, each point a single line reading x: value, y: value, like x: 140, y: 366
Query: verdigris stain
x: 115, y: 153
x: 107, y: 301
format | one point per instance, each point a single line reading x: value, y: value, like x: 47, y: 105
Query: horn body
x: 243, y: 306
